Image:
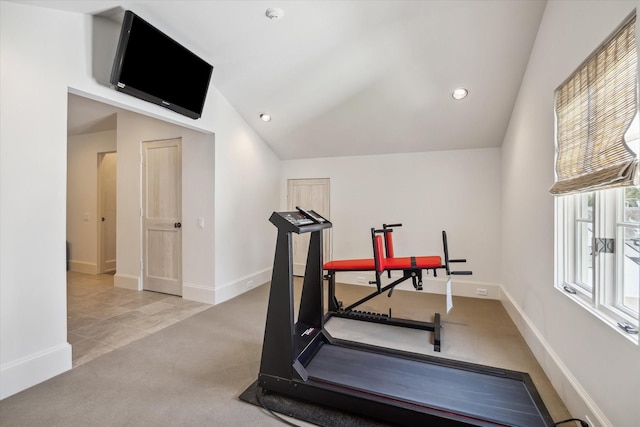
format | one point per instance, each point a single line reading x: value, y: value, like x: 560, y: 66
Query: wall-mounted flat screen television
x: 151, y: 66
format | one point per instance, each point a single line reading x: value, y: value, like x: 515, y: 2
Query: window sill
x: 604, y: 317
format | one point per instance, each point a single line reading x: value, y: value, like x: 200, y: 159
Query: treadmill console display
x: 297, y: 219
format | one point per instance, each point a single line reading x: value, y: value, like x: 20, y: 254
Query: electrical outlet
x: 482, y: 292
x: 249, y: 284
x: 361, y: 279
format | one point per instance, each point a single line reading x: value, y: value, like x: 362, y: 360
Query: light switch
x: 201, y: 222
x: 85, y: 217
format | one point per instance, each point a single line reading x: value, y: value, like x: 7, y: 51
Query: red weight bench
x: 384, y: 260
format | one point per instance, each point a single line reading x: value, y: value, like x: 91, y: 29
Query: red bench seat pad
x: 351, y: 265
x: 402, y: 263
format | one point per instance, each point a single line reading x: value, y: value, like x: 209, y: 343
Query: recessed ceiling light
x: 460, y: 93
x: 265, y: 117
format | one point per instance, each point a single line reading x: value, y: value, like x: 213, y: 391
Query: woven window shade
x: 594, y: 108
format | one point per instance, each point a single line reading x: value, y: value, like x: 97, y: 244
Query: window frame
x: 603, y: 300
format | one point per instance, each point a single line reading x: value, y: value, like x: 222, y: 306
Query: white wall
x: 595, y: 370
x: 198, y: 153
x: 245, y: 173
x: 44, y: 55
x: 82, y: 197
x: 455, y: 191
x: 33, y: 178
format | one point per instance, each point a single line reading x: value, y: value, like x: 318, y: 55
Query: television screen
x: 151, y: 66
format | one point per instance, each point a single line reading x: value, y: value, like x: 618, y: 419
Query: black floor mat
x: 311, y: 413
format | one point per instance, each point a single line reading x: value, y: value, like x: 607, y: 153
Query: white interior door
x: 310, y: 194
x: 107, y: 165
x: 162, y: 216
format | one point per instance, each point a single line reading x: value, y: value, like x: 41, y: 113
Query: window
x: 628, y: 236
x: 598, y: 252
x: 598, y: 197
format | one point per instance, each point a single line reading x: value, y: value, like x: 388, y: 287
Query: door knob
x: 177, y: 225
x: 103, y: 220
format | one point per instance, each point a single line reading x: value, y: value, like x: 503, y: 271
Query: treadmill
x: 301, y: 360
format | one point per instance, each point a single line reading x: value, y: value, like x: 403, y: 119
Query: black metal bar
x: 332, y: 299
x: 436, y: 332
x: 447, y: 261
x: 446, y: 252
x: 391, y: 225
x: 375, y: 294
x: 386, y: 320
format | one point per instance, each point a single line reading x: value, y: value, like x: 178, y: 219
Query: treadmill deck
x: 482, y: 396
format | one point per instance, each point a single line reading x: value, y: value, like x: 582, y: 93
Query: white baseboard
x: 573, y: 395
x: 198, y: 293
x: 28, y: 371
x: 430, y: 284
x: 83, y: 267
x: 242, y: 285
x: 127, y: 281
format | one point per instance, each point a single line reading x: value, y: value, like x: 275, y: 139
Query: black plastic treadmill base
x: 308, y: 412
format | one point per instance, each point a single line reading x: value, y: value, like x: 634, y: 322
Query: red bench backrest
x: 388, y: 241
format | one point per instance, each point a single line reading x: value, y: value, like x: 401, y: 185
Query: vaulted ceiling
x: 344, y: 78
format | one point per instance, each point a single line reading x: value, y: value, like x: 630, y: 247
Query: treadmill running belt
x: 478, y: 395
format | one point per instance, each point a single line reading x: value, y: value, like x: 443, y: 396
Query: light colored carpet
x: 191, y: 373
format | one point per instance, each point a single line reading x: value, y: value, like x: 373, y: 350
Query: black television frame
x: 119, y: 65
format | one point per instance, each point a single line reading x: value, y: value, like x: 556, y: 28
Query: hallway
x: 101, y: 318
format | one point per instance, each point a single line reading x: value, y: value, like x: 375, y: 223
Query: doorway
x: 107, y: 167
x: 310, y: 194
